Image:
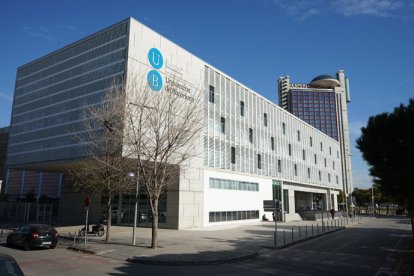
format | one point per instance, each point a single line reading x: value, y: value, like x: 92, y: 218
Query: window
x: 241, y: 108
x: 222, y: 125
x: 320, y: 176
x: 284, y: 128
x: 298, y: 135
x: 316, y: 159
x: 259, y: 161
x: 250, y: 135
x: 211, y: 94
x: 330, y: 151
x: 310, y: 141
x: 321, y: 146
x: 265, y: 119
x: 279, y: 165
x: 337, y: 180
x: 308, y: 172
x: 333, y: 165
x: 272, y: 143
x: 324, y: 161
x: 303, y: 154
x: 290, y: 150
x: 329, y: 177
x: 296, y: 169
x: 233, y: 155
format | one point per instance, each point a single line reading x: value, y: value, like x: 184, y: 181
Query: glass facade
x: 52, y: 92
x: 316, y: 108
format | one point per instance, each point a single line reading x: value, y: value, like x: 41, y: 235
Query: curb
x: 194, y: 263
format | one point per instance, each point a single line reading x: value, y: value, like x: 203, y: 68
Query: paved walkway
x: 198, y: 247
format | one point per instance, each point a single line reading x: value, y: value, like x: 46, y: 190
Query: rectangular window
x: 222, y: 125
x: 259, y: 161
x: 233, y: 155
x: 337, y: 180
x: 333, y: 165
x: 296, y: 169
x: 283, y: 128
x: 320, y: 176
x: 290, y: 150
x: 298, y: 135
x: 272, y: 143
x: 241, y: 108
x: 324, y: 161
x: 321, y: 146
x: 250, y: 135
x: 308, y: 172
x: 310, y: 141
x: 279, y: 165
x: 330, y: 151
x: 316, y: 159
x: 303, y: 154
x: 329, y: 177
x: 265, y: 119
x: 211, y: 94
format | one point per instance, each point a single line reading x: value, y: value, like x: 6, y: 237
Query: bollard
x: 293, y: 238
x: 284, y: 237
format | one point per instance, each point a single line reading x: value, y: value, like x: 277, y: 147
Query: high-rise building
x: 322, y: 103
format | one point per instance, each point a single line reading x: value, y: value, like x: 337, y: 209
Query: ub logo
x: 154, y: 77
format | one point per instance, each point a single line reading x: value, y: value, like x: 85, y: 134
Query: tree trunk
x: 154, y: 240
x: 109, y: 218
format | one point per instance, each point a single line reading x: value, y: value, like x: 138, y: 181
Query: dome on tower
x: 324, y: 81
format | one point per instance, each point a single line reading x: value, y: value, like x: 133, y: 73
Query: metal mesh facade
x: 238, y: 118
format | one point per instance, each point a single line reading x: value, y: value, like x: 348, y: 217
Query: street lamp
x: 132, y: 175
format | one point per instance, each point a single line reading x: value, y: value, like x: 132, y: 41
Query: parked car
x: 30, y: 236
x: 9, y: 266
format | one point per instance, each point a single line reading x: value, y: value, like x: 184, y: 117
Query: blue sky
x: 254, y: 41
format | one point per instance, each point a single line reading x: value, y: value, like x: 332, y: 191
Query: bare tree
x: 160, y: 133
x: 103, y: 169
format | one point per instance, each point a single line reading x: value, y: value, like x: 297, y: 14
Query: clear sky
x: 254, y: 41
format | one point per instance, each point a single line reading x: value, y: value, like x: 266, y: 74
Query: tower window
x: 272, y: 143
x: 279, y: 165
x: 233, y: 155
x: 259, y: 161
x: 222, y: 125
x: 241, y: 108
x: 250, y: 135
x: 265, y: 119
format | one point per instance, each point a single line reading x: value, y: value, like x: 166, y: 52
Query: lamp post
x: 131, y: 174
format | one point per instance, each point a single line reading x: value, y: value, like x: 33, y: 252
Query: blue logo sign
x: 155, y: 58
x: 154, y: 80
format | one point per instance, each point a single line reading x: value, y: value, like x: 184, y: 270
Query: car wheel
x: 26, y: 245
x: 101, y: 232
x: 53, y: 246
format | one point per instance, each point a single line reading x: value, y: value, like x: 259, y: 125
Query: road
x: 376, y: 247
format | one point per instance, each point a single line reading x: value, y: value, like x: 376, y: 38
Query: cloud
x: 302, y: 9
x: 39, y: 31
x: 382, y: 8
x: 52, y: 32
x: 6, y: 96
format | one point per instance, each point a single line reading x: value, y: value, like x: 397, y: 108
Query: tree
x: 161, y: 132
x: 387, y: 144
x: 103, y: 169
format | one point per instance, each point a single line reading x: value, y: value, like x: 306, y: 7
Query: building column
x: 291, y: 195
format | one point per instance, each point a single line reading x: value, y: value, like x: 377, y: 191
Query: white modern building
x: 251, y: 149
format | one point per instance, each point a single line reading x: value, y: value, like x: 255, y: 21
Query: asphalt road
x: 376, y: 247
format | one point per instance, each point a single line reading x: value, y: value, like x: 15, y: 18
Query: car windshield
x: 9, y: 268
x: 45, y: 229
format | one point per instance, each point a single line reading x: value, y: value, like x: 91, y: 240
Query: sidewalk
x: 214, y: 245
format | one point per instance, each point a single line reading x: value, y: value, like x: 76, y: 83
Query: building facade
x: 252, y: 150
x: 323, y: 104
